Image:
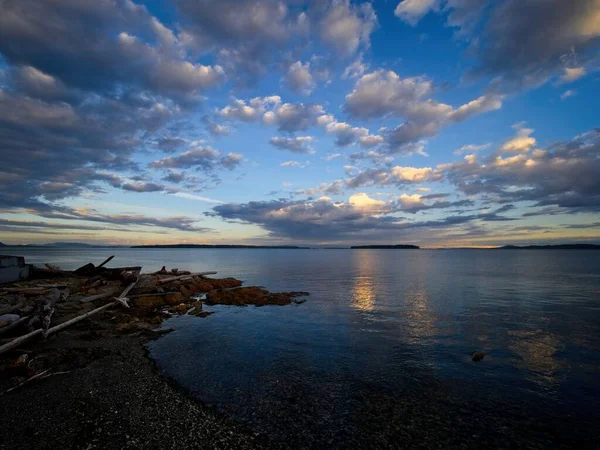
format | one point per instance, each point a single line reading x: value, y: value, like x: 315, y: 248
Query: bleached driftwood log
x: 184, y: 277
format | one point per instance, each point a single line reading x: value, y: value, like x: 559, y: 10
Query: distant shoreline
x: 71, y: 246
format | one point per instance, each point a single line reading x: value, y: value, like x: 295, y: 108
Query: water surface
x: 379, y: 355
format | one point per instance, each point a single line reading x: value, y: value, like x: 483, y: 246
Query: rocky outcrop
x: 251, y: 295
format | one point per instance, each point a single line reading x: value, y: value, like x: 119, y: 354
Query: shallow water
x: 379, y: 353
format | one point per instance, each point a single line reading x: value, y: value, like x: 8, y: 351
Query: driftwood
x: 35, y: 377
x: 183, y: 277
x: 91, y: 298
x: 106, y: 261
x: 13, y: 308
x: 28, y: 291
x: 22, y: 339
x: 14, y: 325
x: 122, y: 299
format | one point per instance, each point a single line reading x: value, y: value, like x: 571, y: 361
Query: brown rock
x: 181, y: 308
x: 173, y: 298
x: 251, y: 295
x: 154, y: 300
x: 477, y: 356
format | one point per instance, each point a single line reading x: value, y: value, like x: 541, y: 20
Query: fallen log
x: 13, y: 308
x: 181, y: 277
x: 14, y: 325
x: 28, y: 291
x: 91, y: 298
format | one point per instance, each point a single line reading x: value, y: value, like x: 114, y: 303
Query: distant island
x: 401, y: 246
x: 551, y: 247
x: 293, y: 247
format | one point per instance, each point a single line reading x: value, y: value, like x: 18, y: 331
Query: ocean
x: 379, y: 355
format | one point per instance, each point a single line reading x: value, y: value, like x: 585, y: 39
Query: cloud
x: 290, y: 164
x: 346, y: 27
x: 142, y: 186
x: 356, y: 69
x: 567, y: 94
x: 332, y: 156
x: 572, y: 73
x: 293, y: 117
x: 195, y: 197
x: 562, y: 175
x: 375, y: 157
x: 251, y: 111
x: 370, y: 140
x: 214, y: 128
x: 298, y: 144
x: 411, y: 11
x: 525, y: 42
x: 470, y: 148
x: 299, y: 79
x: 383, y: 93
x: 201, y: 158
x: 345, y: 134
x: 360, y: 218
x: 170, y: 143
x: 522, y: 142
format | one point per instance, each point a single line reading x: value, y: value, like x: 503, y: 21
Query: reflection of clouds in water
x: 537, y: 349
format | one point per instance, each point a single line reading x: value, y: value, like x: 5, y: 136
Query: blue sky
x: 434, y: 122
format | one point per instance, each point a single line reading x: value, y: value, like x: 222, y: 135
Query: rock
x: 251, y: 295
x: 173, y: 298
x: 203, y: 313
x: 154, y: 300
x: 7, y: 319
x: 477, y: 356
x: 181, y: 308
x: 184, y: 291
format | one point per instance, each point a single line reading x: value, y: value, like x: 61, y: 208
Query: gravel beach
x: 112, y: 397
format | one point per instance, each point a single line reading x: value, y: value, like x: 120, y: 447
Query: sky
x: 441, y: 123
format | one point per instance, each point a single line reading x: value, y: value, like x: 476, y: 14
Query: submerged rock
x: 251, y: 295
x: 477, y: 356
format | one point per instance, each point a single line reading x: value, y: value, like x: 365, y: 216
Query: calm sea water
x: 379, y: 355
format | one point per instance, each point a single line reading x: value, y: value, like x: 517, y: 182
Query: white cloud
x: 198, y: 198
x: 411, y: 11
x: 345, y: 27
x: 572, y: 73
x: 567, y: 94
x: 471, y: 148
x: 297, y: 144
x: 355, y: 69
x: 521, y: 143
x: 299, y: 78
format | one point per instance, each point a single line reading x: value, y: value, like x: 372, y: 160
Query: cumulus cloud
x: 346, y: 27
x: 298, y: 144
x: 345, y: 134
x: 525, y: 41
x: 384, y: 93
x: 299, y: 78
x: 411, y: 11
x: 356, y: 69
x: 200, y: 158
x: 522, y: 142
x: 562, y: 175
x: 361, y: 217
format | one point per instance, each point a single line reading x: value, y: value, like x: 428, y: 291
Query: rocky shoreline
x: 92, y: 385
